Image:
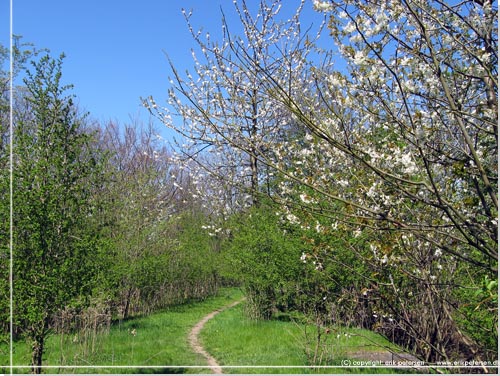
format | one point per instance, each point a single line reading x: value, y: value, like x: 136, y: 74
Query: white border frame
x: 12, y: 367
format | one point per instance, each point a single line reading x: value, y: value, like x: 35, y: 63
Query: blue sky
x: 115, y: 50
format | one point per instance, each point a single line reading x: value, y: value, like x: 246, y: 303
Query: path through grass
x: 237, y: 341
x: 153, y: 344
x: 158, y: 343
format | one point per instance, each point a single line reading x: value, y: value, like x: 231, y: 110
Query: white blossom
x: 305, y: 199
x: 359, y: 58
x: 322, y: 6
x: 292, y: 219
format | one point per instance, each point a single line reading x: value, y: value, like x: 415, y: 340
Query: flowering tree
x: 229, y: 122
x: 389, y: 137
x: 417, y: 112
x: 412, y: 122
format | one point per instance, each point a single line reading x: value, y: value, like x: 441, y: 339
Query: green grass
x: 160, y: 343
x: 160, y: 340
x: 236, y: 341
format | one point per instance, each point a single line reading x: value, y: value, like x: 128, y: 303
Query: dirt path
x: 194, y: 341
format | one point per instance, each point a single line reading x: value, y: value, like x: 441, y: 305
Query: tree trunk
x: 255, y: 180
x: 37, y: 354
x: 127, y: 304
x: 254, y: 152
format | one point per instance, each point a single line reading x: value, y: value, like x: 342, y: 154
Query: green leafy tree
x: 21, y: 53
x: 54, y: 180
x: 4, y: 200
x: 137, y: 202
x: 263, y: 255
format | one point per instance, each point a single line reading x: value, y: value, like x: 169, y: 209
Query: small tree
x: 54, y: 176
x: 139, y: 201
x: 22, y: 52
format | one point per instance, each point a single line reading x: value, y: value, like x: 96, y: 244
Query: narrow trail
x: 194, y: 341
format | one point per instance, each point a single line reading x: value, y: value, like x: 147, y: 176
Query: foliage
x: 21, y: 54
x: 157, y: 253
x: 4, y: 206
x: 53, y: 182
x: 262, y: 256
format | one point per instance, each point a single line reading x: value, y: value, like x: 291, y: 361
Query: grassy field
x: 236, y: 341
x: 158, y: 344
